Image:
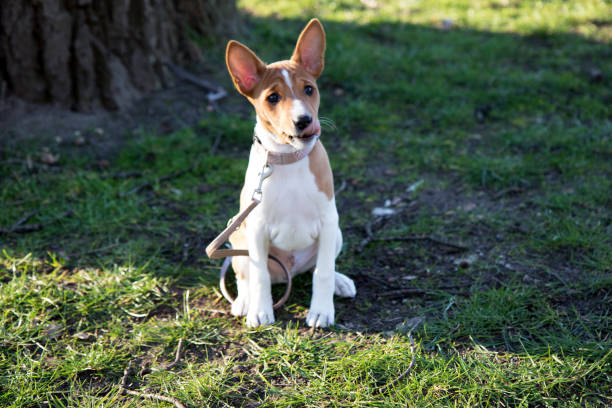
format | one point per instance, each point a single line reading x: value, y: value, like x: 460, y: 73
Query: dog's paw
x: 320, y: 316
x: 240, y: 307
x: 260, y: 316
x: 344, y: 286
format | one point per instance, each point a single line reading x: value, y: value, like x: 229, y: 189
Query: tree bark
x: 90, y: 54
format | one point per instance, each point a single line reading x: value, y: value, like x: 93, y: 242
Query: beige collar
x: 282, y: 158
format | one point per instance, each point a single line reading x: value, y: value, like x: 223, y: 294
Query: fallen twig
x: 374, y: 278
x: 215, y: 92
x: 341, y: 188
x: 26, y: 217
x: 19, y: 202
x: 212, y: 311
x: 149, y: 184
x: 122, y: 175
x: 29, y: 163
x: 215, y: 145
x: 95, y: 250
x: 159, y: 397
x: 177, y: 357
x: 402, y: 292
x: 458, y: 248
x: 18, y: 228
x: 417, y: 322
x: 369, y: 234
x: 417, y: 291
x: 506, y: 191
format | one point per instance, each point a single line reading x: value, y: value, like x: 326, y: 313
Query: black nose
x: 303, y: 122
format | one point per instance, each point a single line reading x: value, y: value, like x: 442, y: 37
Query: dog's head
x: 284, y: 94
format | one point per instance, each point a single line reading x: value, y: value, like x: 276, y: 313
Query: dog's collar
x: 282, y: 158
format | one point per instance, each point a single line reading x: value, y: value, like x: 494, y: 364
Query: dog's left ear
x: 310, y: 48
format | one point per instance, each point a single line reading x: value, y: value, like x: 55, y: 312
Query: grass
x: 501, y: 108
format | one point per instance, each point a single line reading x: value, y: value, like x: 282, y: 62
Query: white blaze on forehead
x: 298, y: 109
x: 288, y: 81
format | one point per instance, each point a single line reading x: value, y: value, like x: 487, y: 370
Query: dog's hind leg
x: 343, y: 285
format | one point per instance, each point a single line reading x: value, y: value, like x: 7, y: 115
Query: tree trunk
x: 88, y: 54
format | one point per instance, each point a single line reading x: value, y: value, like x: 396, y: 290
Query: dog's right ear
x: 244, y: 67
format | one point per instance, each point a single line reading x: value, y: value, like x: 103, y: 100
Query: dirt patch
x: 104, y: 132
x: 398, y: 280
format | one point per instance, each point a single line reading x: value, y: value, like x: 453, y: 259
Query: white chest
x: 292, y: 207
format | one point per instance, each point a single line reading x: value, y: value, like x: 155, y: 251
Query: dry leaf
x: 84, y: 336
x: 49, y: 158
x: 53, y: 330
x: 469, y: 206
x: 381, y: 211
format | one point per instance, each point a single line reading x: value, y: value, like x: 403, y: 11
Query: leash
x: 213, y: 251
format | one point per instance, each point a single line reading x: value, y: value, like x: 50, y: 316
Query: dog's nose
x: 303, y: 122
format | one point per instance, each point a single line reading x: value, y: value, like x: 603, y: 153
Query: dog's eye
x: 273, y: 98
x: 308, y: 90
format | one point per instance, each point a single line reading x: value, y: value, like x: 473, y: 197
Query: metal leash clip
x: 265, y: 172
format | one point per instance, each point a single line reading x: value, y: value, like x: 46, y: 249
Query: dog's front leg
x: 321, y: 312
x: 260, y: 291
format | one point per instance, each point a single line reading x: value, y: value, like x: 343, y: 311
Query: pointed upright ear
x: 244, y: 67
x: 310, y: 48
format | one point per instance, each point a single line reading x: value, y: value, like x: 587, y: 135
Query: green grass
x: 506, y: 117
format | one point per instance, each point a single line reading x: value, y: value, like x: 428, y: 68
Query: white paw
x: 240, y: 307
x: 320, y: 316
x: 344, y: 286
x: 260, y: 315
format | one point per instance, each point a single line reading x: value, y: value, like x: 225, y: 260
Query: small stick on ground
x: 457, y: 248
x: 417, y: 291
x: 29, y: 163
x: 215, y: 92
x: 18, y: 228
x: 95, y: 250
x: 212, y: 311
x: 177, y: 357
x: 215, y: 145
x: 122, y: 175
x: 369, y: 234
x: 26, y: 217
x: 506, y: 191
x: 126, y: 372
x: 402, y: 292
x: 159, y: 397
x: 149, y: 184
x: 406, y: 373
x: 375, y: 279
x: 341, y: 188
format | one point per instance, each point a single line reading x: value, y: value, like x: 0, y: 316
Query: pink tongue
x: 312, y: 129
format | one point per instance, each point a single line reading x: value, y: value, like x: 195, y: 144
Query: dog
x: 297, y: 220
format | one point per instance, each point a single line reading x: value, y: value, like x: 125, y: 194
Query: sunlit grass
x: 498, y: 110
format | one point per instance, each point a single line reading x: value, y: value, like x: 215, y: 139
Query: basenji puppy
x: 297, y: 220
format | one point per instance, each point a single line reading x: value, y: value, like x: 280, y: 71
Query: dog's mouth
x: 303, y: 138
x: 311, y: 132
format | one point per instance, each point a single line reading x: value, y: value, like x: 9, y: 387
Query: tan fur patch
x: 320, y: 168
